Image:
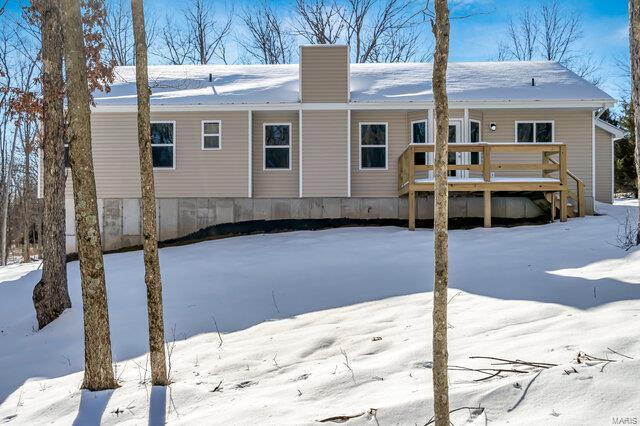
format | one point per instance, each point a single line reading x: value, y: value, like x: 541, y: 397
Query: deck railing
x: 552, y: 166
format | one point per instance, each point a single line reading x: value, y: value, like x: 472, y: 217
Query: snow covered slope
x: 337, y: 322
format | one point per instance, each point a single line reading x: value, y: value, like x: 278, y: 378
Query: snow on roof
x: 402, y: 82
x: 189, y: 85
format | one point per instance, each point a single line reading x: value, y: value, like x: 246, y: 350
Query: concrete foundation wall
x: 121, y: 225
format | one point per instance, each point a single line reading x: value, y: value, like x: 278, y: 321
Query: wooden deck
x: 553, y: 179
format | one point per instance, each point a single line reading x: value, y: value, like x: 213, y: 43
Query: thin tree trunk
x: 634, y: 46
x: 441, y: 210
x: 26, y: 194
x: 97, y: 340
x: 149, y: 228
x: 51, y: 294
x: 5, y: 200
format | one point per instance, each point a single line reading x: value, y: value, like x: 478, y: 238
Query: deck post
x: 563, y: 205
x: 486, y: 162
x: 563, y: 182
x: 487, y: 209
x: 412, y: 209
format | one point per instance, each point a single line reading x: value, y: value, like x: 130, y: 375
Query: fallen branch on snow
x: 473, y: 413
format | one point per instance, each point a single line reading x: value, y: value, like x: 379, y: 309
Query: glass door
x: 455, y: 127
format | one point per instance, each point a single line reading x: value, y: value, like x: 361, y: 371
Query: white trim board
x: 358, y: 106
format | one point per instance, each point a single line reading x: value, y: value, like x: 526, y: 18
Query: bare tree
x: 117, y: 30
x: 51, y: 294
x: 318, y: 22
x: 381, y: 31
x: 634, y: 47
x: 175, y: 43
x: 560, y: 30
x: 550, y: 32
x: 149, y: 229
x: 117, y: 33
x: 206, y: 36
x: 440, y: 28
x: 267, y: 40
x: 197, y: 39
x: 522, y: 37
x: 97, y: 354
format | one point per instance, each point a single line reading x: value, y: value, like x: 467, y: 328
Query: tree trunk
x: 51, y: 294
x: 5, y: 201
x: 634, y: 46
x: 149, y: 228
x: 97, y: 340
x: 441, y: 210
x: 26, y: 205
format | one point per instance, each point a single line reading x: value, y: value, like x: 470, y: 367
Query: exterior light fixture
x: 492, y: 126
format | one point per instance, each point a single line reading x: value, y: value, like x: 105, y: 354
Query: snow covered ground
x: 338, y: 322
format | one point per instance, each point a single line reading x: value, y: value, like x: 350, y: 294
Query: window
x: 67, y: 160
x: 534, y: 131
x: 474, y: 137
x: 419, y: 136
x: 373, y: 145
x: 211, y: 135
x: 163, y: 136
x: 277, y: 146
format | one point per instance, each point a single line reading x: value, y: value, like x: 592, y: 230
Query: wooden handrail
x: 579, y: 197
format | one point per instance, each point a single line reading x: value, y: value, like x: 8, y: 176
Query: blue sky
x: 476, y: 38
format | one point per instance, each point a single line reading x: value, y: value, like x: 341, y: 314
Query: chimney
x: 324, y: 73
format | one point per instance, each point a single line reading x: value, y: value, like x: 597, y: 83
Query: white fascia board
x: 356, y: 106
x: 617, y: 132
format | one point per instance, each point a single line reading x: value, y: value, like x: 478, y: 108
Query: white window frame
x: 479, y: 122
x: 473, y: 120
x: 173, y: 122
x: 426, y: 132
x: 386, y: 145
x: 535, y: 123
x: 264, y: 147
x: 219, y: 134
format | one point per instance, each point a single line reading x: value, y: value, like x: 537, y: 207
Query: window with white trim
x: 163, y: 135
x: 373, y: 145
x: 211, y: 135
x: 419, y: 136
x: 534, y: 131
x: 277, y: 146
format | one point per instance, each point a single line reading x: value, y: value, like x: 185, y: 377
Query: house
x: 330, y: 139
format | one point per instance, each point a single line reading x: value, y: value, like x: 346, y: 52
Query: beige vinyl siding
x: 324, y: 73
x: 604, y: 166
x: 274, y: 183
x: 221, y: 173
x: 378, y: 183
x: 572, y: 127
x: 324, y: 154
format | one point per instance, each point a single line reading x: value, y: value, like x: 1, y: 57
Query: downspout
x: 250, y: 154
x: 595, y: 116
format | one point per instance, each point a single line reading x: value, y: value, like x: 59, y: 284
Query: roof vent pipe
x: 533, y: 81
x: 210, y: 77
